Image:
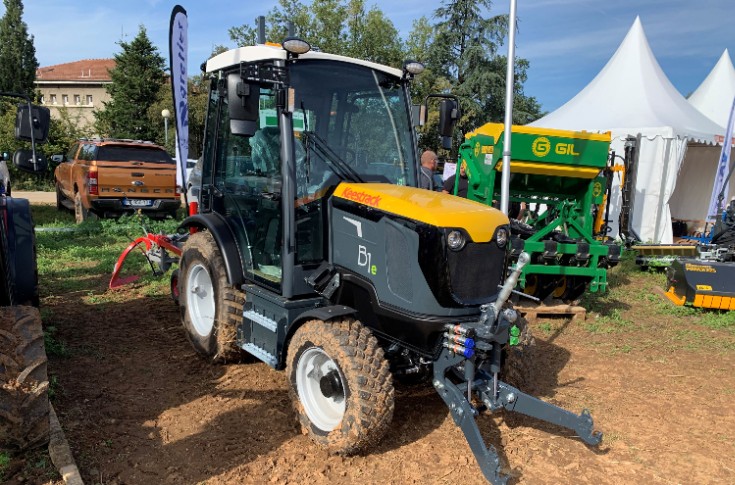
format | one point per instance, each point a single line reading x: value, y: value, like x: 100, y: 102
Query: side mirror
x: 242, y: 104
x: 32, y: 125
x: 418, y: 114
x: 448, y: 116
x: 24, y: 160
x: 57, y: 159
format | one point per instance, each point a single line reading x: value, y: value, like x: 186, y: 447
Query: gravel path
x: 45, y: 198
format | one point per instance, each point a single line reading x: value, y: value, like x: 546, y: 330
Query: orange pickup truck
x: 106, y: 177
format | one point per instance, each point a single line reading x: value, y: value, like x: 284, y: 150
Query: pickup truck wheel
x: 341, y: 384
x: 211, y: 308
x: 24, y: 404
x: 59, y: 198
x: 81, y: 213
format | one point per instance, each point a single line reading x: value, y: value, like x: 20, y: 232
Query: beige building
x: 77, y: 88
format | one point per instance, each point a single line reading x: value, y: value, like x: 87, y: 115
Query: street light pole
x: 166, y: 115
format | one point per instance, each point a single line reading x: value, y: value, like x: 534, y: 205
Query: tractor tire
x: 341, y: 385
x: 24, y: 403
x: 211, y: 308
x: 516, y: 368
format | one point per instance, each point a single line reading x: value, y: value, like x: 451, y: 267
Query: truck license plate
x: 139, y: 202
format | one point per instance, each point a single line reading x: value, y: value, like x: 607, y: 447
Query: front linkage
x: 474, y: 349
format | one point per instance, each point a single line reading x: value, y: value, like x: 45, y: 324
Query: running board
x: 261, y: 354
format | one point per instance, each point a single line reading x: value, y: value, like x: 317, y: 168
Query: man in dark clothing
x: 429, y: 161
x: 463, y: 183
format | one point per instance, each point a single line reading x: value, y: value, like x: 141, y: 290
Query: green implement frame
x: 566, y: 177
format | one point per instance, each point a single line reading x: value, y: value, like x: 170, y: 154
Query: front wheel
x: 341, y: 384
x: 211, y: 308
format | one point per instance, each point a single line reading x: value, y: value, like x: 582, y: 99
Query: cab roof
x: 263, y: 52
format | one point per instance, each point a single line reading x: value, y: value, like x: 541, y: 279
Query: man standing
x: 464, y: 184
x: 429, y: 161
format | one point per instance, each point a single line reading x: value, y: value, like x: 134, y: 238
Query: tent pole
x: 509, y: 85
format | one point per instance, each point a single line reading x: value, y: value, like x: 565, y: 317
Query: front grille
x: 475, y: 272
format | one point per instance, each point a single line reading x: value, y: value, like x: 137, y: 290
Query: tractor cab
x: 283, y: 130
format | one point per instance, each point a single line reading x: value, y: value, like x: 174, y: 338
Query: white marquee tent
x: 714, y: 98
x: 632, y: 96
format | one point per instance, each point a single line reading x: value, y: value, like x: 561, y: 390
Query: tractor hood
x: 434, y: 208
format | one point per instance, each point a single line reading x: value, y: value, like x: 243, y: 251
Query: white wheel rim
x: 200, y: 304
x: 324, y: 411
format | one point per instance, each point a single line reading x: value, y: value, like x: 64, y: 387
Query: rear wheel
x: 81, y: 213
x: 24, y: 404
x: 211, y: 308
x: 341, y: 384
x: 59, y: 198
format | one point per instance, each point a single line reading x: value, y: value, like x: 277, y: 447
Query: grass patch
x: 612, y: 323
x: 54, y: 347
x: 4, y: 462
x: 80, y: 258
x: 718, y: 320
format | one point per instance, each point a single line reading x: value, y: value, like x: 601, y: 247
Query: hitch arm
x: 464, y: 415
x: 514, y: 400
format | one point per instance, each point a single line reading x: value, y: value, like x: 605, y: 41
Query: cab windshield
x: 351, y: 123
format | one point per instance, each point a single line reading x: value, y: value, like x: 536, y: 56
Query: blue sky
x: 566, y: 41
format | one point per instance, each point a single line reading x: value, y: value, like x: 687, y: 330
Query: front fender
x: 220, y: 230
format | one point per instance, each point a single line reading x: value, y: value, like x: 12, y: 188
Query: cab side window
x: 72, y: 153
x: 88, y: 152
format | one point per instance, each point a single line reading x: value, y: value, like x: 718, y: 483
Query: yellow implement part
x: 716, y: 302
x: 550, y: 169
x: 674, y: 298
x: 496, y: 129
x: 666, y: 249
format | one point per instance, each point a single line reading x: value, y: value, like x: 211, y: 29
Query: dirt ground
x: 139, y: 407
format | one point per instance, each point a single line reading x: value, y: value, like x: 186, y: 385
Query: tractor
x: 312, y: 249
x: 24, y: 404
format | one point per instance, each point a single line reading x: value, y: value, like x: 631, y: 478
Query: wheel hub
x: 321, y: 389
x: 331, y: 385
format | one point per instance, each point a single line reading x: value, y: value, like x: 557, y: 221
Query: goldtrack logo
x: 361, y: 197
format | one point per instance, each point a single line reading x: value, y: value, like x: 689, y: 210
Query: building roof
x: 79, y: 71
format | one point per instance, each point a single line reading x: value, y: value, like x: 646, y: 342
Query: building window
x: 77, y: 99
x: 89, y: 100
x: 53, y: 99
x: 66, y: 99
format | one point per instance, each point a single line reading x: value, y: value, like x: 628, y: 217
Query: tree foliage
x: 18, y: 62
x: 334, y: 26
x: 136, y: 82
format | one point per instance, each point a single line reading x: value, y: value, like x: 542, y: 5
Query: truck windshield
x: 351, y: 122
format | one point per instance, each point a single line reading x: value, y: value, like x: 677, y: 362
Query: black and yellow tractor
x: 313, y: 250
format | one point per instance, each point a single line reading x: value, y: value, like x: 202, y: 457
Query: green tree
x: 18, y: 62
x: 334, y: 26
x: 465, y: 52
x: 136, y: 82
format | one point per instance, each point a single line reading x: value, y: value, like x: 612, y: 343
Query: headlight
x: 455, y: 240
x: 501, y: 237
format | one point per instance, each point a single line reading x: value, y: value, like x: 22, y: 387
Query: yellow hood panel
x: 434, y: 208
